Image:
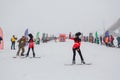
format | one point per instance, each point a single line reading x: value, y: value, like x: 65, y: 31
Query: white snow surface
x: 105, y: 63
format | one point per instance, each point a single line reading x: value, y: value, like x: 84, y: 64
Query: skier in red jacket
x: 31, y: 45
x: 76, y: 47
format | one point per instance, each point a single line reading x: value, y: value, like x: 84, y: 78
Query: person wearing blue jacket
x: 118, y: 40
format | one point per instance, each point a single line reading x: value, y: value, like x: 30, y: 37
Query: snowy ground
x: 105, y: 63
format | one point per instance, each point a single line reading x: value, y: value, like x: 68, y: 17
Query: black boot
x: 73, y: 62
x: 26, y: 55
x: 82, y: 62
x: 22, y: 54
x: 33, y: 54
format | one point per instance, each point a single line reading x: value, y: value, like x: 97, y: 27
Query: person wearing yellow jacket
x: 13, y: 40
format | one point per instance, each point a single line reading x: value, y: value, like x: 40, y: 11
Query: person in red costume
x: 76, y: 47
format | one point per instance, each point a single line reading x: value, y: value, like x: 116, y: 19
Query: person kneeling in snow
x: 30, y: 45
x: 76, y: 47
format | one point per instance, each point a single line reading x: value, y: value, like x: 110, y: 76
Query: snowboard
x: 14, y: 57
x: 78, y: 64
x: 22, y: 57
x: 25, y: 57
x: 34, y: 57
x: 84, y: 64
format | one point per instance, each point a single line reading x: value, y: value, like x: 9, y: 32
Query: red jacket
x: 77, y: 43
x: 31, y: 43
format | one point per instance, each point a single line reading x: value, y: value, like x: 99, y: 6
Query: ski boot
x: 73, y: 62
x: 82, y: 62
x: 22, y: 54
x: 34, y: 55
x: 26, y: 55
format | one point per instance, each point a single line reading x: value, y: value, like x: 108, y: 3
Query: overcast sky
x: 58, y: 16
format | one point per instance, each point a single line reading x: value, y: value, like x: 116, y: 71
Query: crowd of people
x: 22, y: 43
x: 109, y: 40
x: 77, y: 38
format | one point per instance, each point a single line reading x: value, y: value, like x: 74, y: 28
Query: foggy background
x: 57, y: 16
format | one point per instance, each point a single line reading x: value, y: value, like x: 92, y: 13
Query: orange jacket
x: 106, y: 40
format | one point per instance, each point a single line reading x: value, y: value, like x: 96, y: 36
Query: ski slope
x: 105, y: 63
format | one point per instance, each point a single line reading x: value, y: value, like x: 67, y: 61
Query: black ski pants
x: 32, y: 51
x: 74, y: 54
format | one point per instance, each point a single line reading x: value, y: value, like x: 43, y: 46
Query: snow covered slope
x: 105, y: 63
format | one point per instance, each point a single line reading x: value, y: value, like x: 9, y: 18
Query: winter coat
x: 13, y: 39
x: 22, y: 42
x: 106, y: 39
x: 31, y: 43
x: 111, y: 38
x: 118, y: 39
x: 77, y: 42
